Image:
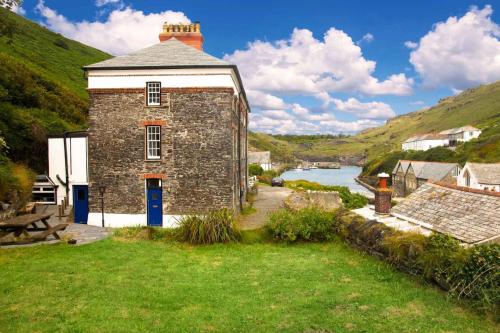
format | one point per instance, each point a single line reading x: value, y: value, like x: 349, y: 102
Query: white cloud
x: 411, y: 45
x: 124, y: 31
x: 263, y: 100
x: 305, y: 65
x: 14, y: 8
x: 371, y: 110
x: 367, y: 38
x: 460, y: 52
x: 100, y: 3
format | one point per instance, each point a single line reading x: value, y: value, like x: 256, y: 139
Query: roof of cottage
x: 404, y: 165
x: 470, y: 216
x: 457, y: 130
x: 485, y: 173
x: 259, y: 157
x: 427, y: 136
x: 171, y: 53
x: 435, y: 171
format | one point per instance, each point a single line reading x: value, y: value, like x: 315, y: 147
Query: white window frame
x: 153, y: 96
x: 153, y: 142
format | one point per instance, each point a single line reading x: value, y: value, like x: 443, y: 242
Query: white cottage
x: 481, y: 176
x: 461, y: 134
x: 425, y: 142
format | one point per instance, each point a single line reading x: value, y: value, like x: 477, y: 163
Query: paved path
x: 268, y: 200
x: 82, y: 233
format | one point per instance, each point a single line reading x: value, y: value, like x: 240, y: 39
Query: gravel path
x: 268, y: 200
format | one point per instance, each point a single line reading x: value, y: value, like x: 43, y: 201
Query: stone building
x: 167, y: 132
x: 425, y: 142
x: 407, y: 176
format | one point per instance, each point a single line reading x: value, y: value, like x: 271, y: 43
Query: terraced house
x: 168, y: 132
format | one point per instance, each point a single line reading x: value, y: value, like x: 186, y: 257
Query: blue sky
x: 359, y: 76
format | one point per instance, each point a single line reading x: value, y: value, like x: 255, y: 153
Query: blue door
x: 154, y: 197
x: 81, y: 203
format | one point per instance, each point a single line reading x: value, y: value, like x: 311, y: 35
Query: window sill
x: 153, y: 160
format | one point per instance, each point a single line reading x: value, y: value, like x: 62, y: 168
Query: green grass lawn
x: 141, y: 286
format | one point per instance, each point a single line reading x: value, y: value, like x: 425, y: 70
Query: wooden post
x: 63, y: 209
x: 59, y: 211
x: 65, y: 203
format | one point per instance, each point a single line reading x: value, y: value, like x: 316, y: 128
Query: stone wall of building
x: 196, y: 146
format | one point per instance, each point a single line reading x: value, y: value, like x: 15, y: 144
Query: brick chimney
x: 383, y: 195
x: 189, y: 34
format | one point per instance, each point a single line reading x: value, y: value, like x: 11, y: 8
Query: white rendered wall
x: 129, y: 220
x: 461, y: 181
x: 169, y: 78
x: 424, y: 144
x: 266, y: 166
x: 77, y: 164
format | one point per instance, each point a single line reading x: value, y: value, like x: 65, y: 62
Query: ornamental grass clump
x: 213, y: 227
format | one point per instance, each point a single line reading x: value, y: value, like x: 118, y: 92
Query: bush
x: 349, y: 199
x: 267, y: 176
x: 213, y: 227
x: 309, y: 224
x: 479, y: 276
x: 255, y: 170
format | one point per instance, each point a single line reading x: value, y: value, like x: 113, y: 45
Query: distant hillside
x: 42, y: 87
x: 479, y: 107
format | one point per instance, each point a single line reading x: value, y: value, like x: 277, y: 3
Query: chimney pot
x: 383, y: 195
x: 189, y: 34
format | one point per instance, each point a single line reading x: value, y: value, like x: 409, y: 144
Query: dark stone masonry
x: 200, y: 157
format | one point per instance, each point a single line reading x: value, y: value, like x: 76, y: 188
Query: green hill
x: 42, y: 92
x: 479, y: 107
x: 42, y: 86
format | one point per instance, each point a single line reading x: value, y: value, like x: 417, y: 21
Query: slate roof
x: 259, y: 157
x: 434, y: 171
x: 170, y: 53
x: 485, y: 173
x: 457, y: 130
x: 467, y: 215
x: 404, y: 164
x: 428, y: 136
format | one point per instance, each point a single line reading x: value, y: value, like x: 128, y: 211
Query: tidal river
x: 343, y: 176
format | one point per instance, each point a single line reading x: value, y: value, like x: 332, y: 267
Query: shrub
x: 213, y: 227
x: 309, y: 224
x: 404, y: 250
x: 267, y: 176
x: 479, y: 276
x: 61, y: 43
x: 255, y: 170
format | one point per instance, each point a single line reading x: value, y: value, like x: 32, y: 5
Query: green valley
x: 479, y: 107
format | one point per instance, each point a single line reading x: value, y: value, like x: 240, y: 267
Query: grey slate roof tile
x: 466, y: 216
x: 170, y: 53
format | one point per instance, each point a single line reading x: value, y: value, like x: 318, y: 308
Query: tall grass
x: 213, y: 227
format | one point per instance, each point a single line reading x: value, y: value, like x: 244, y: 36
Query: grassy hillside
x: 46, y: 53
x: 479, y: 107
x: 42, y: 92
x: 42, y: 86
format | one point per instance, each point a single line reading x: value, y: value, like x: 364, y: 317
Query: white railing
x: 251, y: 181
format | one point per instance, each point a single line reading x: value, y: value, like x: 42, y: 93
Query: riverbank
x: 345, y: 176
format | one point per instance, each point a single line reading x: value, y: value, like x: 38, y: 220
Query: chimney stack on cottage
x: 383, y: 195
x: 189, y: 34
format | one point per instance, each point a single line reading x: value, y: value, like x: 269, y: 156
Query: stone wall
x: 196, y: 149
